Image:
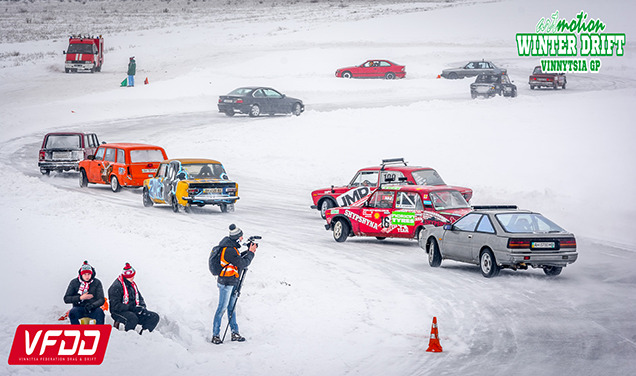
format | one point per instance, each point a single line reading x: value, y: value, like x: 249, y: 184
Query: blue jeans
x: 227, y: 301
x: 77, y: 313
x: 131, y: 80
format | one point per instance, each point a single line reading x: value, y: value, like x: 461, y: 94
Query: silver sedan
x: 473, y: 68
x: 501, y: 237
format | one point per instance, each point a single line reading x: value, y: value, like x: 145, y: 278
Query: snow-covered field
x: 311, y: 306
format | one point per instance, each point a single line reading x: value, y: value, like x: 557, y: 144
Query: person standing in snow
x: 132, y: 69
x: 127, y: 306
x: 233, y: 263
x: 87, y: 296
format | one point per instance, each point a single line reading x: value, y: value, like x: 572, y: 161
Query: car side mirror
x: 284, y: 95
x: 448, y: 227
x: 91, y: 157
x: 103, y: 142
x: 181, y: 175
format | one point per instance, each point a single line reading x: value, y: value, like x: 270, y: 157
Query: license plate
x: 543, y: 245
x: 62, y: 155
x: 213, y: 190
x: 228, y: 101
x: 148, y: 170
x: 483, y: 90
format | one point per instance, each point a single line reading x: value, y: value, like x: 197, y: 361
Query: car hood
x: 345, y: 68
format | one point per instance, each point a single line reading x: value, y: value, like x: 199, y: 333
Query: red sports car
x: 373, y: 68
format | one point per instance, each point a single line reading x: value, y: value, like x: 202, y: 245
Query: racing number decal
x: 386, y: 222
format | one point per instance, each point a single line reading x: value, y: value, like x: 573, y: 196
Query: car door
x: 407, y: 214
x: 470, y: 69
x: 276, y: 102
x: 95, y: 166
x: 261, y: 100
x: 167, y: 182
x: 367, y: 69
x: 457, y: 242
x: 376, y: 214
x: 483, y: 236
x: 110, y: 159
x: 360, y: 186
x: 384, y: 68
x: 155, y: 189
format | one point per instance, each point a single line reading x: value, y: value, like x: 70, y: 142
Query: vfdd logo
x: 59, y: 344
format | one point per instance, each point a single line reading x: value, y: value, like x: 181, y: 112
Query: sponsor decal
x: 335, y: 211
x: 59, y: 344
x: 394, y: 187
x: 122, y: 171
x: 365, y: 221
x: 352, y: 195
x: 581, y: 36
x: 403, y: 218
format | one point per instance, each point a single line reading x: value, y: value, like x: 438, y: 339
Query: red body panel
x: 374, y: 69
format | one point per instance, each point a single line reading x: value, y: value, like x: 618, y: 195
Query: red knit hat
x: 86, y: 268
x: 128, y: 271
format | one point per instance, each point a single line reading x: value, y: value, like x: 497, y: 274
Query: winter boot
x: 216, y: 340
x: 237, y: 337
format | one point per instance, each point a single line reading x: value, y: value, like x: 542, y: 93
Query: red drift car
x: 373, y: 69
x: 397, y: 211
x: 368, y: 179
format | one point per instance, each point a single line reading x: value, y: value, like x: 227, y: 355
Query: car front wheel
x: 324, y: 206
x: 114, y: 184
x: 434, y: 257
x: 340, y: 231
x: 347, y: 74
x: 488, y: 264
x: 83, y: 180
x: 453, y: 76
x: 146, y: 198
x: 552, y: 270
x: 255, y: 110
x: 296, y: 109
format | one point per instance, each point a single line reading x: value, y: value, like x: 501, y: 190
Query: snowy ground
x: 311, y: 306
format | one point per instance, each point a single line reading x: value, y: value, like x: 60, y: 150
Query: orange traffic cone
x: 146, y: 81
x: 433, y: 344
x: 439, y: 76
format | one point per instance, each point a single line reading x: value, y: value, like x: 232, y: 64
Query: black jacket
x: 234, y: 257
x: 116, y: 298
x: 72, y: 295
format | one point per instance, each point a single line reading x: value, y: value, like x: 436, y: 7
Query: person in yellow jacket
x: 232, y: 262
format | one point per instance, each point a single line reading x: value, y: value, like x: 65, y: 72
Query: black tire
x: 174, y: 203
x: 114, y: 184
x: 473, y: 95
x: 453, y: 76
x: 187, y: 208
x: 83, y: 179
x: 564, y: 83
x: 380, y: 237
x: 434, y: 257
x: 325, y: 205
x: 514, y: 93
x: 531, y: 87
x: 255, y: 110
x: 45, y: 172
x: 296, y: 109
x: 229, y: 113
x: 552, y: 271
x: 66, y: 70
x: 346, y: 74
x: 146, y: 198
x: 555, y: 86
x: 390, y: 76
x: 488, y: 264
x: 340, y: 230
x: 223, y: 208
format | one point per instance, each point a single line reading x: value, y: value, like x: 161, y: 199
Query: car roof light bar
x: 393, y: 161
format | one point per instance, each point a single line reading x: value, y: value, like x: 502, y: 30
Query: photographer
x: 233, y: 263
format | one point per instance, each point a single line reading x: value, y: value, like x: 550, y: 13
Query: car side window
x: 99, y: 156
x: 365, y: 178
x: 485, y: 225
x: 368, y: 64
x: 470, y: 65
x: 269, y: 93
x: 467, y: 222
x: 110, y: 155
x: 409, y: 200
x: 382, y: 199
x: 384, y: 64
x: 259, y: 94
x: 391, y: 177
x: 121, y: 156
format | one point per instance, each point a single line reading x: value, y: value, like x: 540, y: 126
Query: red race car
x: 373, y: 69
x: 368, y: 179
x: 397, y: 211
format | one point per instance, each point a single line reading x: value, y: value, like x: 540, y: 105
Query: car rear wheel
x: 552, y: 270
x: 380, y: 237
x: 340, y: 231
x: 114, y: 184
x: 564, y: 83
x: 146, y: 198
x: 488, y: 264
x: 174, y: 203
x: 434, y: 257
x: 229, y: 113
x: 83, y: 179
x: 187, y: 208
x: 324, y: 206
x: 390, y: 76
x: 255, y: 110
x: 531, y: 87
x: 453, y: 76
x: 296, y: 109
x: 45, y: 172
x: 347, y: 74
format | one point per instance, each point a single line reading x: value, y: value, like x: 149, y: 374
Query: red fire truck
x: 84, y: 54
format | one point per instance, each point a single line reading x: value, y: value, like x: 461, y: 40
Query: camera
x: 252, y: 240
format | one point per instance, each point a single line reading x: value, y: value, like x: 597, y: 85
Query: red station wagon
x: 397, y: 211
x: 373, y: 68
x: 367, y: 180
x: 121, y: 165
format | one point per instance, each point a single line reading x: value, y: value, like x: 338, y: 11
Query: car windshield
x: 205, y: 170
x: 427, y: 177
x: 526, y: 223
x: 71, y: 141
x: 486, y: 79
x: 241, y: 91
x: 146, y: 155
x: 80, y: 48
x: 448, y: 200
